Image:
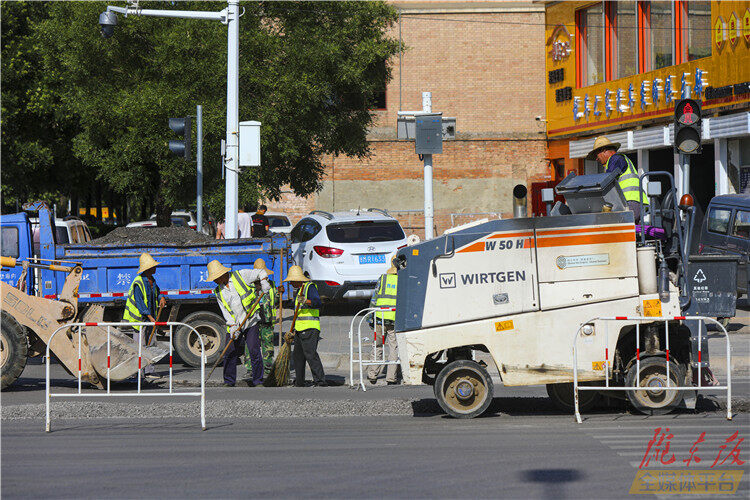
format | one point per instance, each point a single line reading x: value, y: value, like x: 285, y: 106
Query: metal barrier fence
x: 170, y: 392
x: 363, y: 314
x: 637, y: 386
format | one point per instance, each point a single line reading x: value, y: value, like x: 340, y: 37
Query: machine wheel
x: 13, y: 349
x: 654, y: 374
x: 562, y: 396
x: 211, y: 327
x: 464, y: 389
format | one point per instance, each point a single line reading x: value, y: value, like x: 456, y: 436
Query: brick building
x: 484, y: 62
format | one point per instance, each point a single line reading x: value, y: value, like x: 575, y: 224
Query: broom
x: 279, y: 376
x: 247, y: 317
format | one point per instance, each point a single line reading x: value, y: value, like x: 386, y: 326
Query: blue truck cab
x: 16, y: 242
x: 109, y: 269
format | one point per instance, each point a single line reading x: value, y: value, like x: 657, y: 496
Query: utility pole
x: 233, y: 120
x: 428, y: 130
x: 429, y: 210
x: 199, y: 165
x: 229, y: 16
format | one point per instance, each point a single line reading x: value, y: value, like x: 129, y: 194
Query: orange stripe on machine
x: 595, y: 229
x: 500, y: 241
x: 589, y: 239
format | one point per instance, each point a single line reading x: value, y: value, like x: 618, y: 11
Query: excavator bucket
x: 123, y: 350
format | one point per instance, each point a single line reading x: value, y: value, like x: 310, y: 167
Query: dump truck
x: 520, y: 289
x: 108, y: 269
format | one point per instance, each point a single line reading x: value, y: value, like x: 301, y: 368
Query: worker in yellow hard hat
x: 236, y: 294
x: 144, y: 297
x: 605, y: 152
x: 385, y: 321
x: 306, y: 328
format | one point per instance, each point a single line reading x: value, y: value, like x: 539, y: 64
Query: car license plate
x: 372, y: 258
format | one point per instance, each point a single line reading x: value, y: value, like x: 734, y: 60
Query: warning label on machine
x: 652, y: 308
x: 501, y: 326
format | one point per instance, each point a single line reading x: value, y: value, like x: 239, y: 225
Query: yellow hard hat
x: 146, y: 262
x: 216, y: 270
x: 261, y: 264
x: 296, y: 274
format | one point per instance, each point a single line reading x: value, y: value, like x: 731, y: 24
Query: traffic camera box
x: 429, y: 134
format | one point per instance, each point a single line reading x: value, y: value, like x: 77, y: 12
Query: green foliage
x: 36, y: 131
x: 308, y: 72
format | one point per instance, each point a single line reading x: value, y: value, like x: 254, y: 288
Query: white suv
x: 345, y: 253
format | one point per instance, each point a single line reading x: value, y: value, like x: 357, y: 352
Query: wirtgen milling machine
x: 520, y: 289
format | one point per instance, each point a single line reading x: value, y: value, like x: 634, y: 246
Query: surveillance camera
x: 538, y: 118
x: 107, y: 21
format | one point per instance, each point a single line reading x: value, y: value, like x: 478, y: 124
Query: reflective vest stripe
x: 307, y: 318
x: 629, y: 182
x: 386, y: 296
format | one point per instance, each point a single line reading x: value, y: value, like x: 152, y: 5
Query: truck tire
x: 212, y: 328
x: 464, y: 389
x: 562, y: 396
x: 13, y: 349
x: 654, y: 374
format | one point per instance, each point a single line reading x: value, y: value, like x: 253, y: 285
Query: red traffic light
x: 687, y: 127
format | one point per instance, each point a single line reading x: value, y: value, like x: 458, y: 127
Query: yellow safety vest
x: 131, y: 313
x: 307, y: 317
x: 246, y: 293
x: 629, y: 182
x: 386, y: 296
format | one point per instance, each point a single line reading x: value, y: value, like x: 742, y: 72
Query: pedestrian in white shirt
x: 244, y: 224
x: 236, y: 295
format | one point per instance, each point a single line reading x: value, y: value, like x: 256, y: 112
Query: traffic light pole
x: 231, y: 17
x: 233, y: 119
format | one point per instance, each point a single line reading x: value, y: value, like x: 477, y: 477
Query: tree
x: 308, y: 71
x: 36, y: 130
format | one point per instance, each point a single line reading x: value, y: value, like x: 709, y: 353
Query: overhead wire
x: 420, y: 17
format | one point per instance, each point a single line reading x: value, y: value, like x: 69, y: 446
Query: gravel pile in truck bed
x: 151, y: 236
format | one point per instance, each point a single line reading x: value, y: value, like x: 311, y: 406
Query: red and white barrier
x: 650, y: 319
x: 373, y: 360
x: 170, y: 392
x: 125, y: 294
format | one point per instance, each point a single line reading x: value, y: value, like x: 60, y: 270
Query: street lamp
x: 229, y: 16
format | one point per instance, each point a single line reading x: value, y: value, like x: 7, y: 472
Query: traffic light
x: 687, y: 127
x: 183, y: 127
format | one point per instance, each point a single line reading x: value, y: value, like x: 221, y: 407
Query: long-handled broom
x: 231, y: 340
x: 279, y: 376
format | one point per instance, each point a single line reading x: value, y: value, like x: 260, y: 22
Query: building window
x: 379, y: 97
x: 625, y: 43
x: 661, y: 27
x: 590, y: 27
x: 698, y: 30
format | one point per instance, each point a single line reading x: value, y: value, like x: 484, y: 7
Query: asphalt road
x: 527, y: 456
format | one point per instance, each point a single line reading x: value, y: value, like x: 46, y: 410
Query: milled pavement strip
x: 220, y: 409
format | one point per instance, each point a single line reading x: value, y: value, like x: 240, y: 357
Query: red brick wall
x: 489, y: 74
